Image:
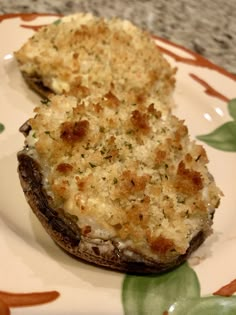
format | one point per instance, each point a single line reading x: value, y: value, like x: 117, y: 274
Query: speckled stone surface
x: 207, y: 27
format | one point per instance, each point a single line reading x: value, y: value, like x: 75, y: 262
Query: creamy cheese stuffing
x: 127, y: 171
x: 87, y: 56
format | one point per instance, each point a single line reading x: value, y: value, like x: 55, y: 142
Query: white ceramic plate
x: 30, y: 261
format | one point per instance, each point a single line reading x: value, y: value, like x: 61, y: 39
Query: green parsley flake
x: 92, y: 165
x: 45, y: 101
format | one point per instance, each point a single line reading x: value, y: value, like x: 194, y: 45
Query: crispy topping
x: 188, y: 158
x: 74, y: 131
x: 160, y: 156
x: 188, y: 181
x: 79, y: 109
x: 161, y: 245
x: 140, y: 121
x: 79, y: 90
x: 110, y: 100
x: 83, y: 183
x: 90, y: 57
x: 97, y: 108
x: 64, y: 168
x: 201, y: 154
x: 154, y: 194
x: 138, y: 213
x: 153, y: 111
x: 60, y: 188
x: 131, y: 183
x: 181, y: 132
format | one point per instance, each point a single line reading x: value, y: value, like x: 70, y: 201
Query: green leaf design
x: 154, y: 294
x: 212, y: 305
x: 177, y: 292
x: 232, y: 108
x: 222, y: 138
x: 2, y: 127
x: 57, y: 22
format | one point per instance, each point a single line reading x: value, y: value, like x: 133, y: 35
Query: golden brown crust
x: 153, y: 197
x: 187, y: 181
x: 75, y: 57
x: 73, y: 132
x: 64, y: 231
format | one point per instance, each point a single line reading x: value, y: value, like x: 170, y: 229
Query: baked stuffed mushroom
x: 117, y: 184
x: 88, y: 56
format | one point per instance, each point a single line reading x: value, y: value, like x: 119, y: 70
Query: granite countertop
x: 206, y: 27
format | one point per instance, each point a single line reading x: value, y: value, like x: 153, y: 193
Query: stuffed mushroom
x: 117, y: 184
x: 88, y: 56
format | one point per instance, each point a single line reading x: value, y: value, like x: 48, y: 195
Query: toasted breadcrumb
x: 128, y: 172
x: 87, y: 56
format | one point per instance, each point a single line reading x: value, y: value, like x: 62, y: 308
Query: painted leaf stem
x: 227, y: 290
x: 28, y: 299
x: 4, y: 308
x: 9, y: 299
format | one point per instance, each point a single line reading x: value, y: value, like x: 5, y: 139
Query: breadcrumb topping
x: 127, y: 171
x: 111, y: 152
x: 88, y: 56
